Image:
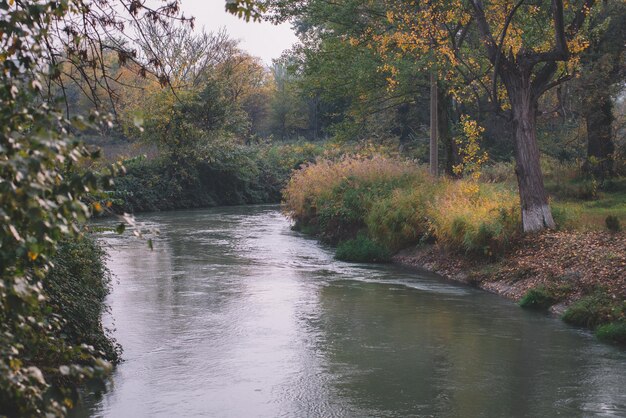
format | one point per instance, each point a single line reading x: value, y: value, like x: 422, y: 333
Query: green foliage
x: 612, y: 223
x: 362, y: 250
x: 75, y: 288
x: 538, y: 298
x: 245, y: 9
x: 41, y: 187
x: 229, y: 174
x: 565, y: 217
x: 594, y: 310
x: 401, y: 220
x: 344, y: 210
x: 614, y: 332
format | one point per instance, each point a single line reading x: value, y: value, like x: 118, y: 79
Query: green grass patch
x: 538, y: 298
x: 594, y: 310
x: 592, y: 215
x: 614, y: 332
x: 362, y: 250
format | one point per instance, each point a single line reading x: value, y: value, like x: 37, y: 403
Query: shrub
x: 612, y: 332
x: 399, y: 204
x: 594, y: 310
x: 613, y: 223
x: 235, y: 175
x: 362, y: 250
x: 538, y: 298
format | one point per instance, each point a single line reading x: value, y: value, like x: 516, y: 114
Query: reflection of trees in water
x: 401, y: 352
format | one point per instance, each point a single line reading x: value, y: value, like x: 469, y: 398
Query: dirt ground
x: 573, y: 263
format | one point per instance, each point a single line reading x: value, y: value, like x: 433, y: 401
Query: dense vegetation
x: 50, y: 334
x: 75, y: 288
x: 397, y: 204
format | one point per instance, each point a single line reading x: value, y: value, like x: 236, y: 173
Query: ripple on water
x: 233, y: 314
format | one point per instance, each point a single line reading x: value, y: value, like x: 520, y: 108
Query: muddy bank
x: 570, y: 266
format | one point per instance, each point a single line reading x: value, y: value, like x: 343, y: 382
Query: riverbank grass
x: 396, y: 204
x: 539, y: 298
x: 362, y: 250
x: 614, y: 332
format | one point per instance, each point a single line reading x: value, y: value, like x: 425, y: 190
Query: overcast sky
x: 261, y: 39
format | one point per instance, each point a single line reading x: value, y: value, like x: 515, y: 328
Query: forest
x: 482, y: 140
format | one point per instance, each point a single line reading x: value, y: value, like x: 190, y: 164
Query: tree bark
x: 536, y: 213
x: 434, y: 126
x: 600, y: 146
x: 451, y: 149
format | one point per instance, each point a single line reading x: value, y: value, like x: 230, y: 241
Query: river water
x: 234, y: 315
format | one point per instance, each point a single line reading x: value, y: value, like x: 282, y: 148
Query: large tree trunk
x: 600, y: 146
x: 536, y: 213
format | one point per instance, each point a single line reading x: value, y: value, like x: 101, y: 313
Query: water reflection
x: 235, y: 315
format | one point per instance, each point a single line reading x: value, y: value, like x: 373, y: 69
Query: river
x: 234, y: 315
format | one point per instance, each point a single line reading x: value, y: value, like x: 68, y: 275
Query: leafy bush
x: 41, y: 192
x: 538, y: 298
x: 338, y: 195
x: 612, y: 223
x: 362, y: 250
x: 224, y: 173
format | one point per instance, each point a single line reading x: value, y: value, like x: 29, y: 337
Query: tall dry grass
x: 397, y: 204
x: 309, y: 186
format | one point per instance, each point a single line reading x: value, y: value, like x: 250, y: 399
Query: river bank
x: 469, y: 231
x: 578, y: 276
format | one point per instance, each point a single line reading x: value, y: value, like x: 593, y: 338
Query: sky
x: 261, y: 39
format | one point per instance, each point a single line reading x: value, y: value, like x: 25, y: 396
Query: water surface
x: 235, y: 315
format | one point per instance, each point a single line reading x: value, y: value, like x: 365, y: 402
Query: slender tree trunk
x: 600, y: 146
x: 536, y: 213
x: 434, y: 126
x: 452, y: 157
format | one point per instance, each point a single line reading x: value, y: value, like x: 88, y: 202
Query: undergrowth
x: 362, y: 250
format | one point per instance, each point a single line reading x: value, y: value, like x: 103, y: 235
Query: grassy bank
x: 76, y: 288
x: 396, y: 204
x: 469, y: 231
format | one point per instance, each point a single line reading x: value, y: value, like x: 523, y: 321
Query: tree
x: 525, y: 50
x: 600, y: 80
x: 44, y: 186
x: 287, y: 109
